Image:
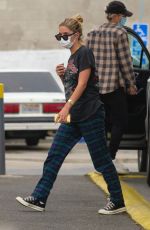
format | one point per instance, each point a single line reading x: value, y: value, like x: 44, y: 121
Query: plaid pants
x: 67, y: 136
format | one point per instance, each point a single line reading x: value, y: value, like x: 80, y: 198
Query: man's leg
x: 116, y: 104
x: 119, y: 120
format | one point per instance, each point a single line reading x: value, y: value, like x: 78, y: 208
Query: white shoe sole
x: 105, y: 212
x: 26, y: 204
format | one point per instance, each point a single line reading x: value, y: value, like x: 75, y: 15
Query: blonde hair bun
x: 78, y: 18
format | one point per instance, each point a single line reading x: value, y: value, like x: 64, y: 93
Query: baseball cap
x: 117, y: 7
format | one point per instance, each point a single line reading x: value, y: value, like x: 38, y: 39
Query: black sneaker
x: 32, y: 202
x: 112, y: 208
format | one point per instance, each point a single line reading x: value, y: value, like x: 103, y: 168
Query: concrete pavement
x: 74, y: 200
x: 23, y: 160
x: 72, y: 205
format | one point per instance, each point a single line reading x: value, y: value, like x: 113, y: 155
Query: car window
x: 28, y: 82
x: 139, y: 57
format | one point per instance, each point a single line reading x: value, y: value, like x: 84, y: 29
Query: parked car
x: 31, y: 99
x: 137, y: 135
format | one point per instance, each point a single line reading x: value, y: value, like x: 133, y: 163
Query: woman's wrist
x: 71, y: 102
x: 67, y: 106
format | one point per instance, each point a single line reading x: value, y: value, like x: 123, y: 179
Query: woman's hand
x: 62, y: 115
x: 60, y: 70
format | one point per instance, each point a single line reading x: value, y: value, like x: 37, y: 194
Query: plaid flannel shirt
x: 113, y: 59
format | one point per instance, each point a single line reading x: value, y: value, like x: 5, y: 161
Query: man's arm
x: 125, y: 62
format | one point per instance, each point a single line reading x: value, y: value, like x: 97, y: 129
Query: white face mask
x: 66, y: 44
x: 122, y: 22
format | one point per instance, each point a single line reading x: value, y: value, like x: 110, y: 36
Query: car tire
x: 32, y: 141
x: 142, y: 160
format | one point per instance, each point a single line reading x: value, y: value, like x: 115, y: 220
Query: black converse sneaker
x: 31, y: 202
x: 112, y: 208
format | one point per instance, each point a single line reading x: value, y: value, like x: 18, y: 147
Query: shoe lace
x: 29, y: 199
x: 109, y: 205
x: 108, y: 198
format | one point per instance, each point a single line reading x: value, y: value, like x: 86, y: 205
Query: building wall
x: 32, y: 24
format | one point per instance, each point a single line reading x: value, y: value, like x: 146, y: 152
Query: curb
x: 137, y: 207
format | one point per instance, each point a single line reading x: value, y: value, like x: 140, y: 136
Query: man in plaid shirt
x: 110, y: 46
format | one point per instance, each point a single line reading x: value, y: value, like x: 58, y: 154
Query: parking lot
x: 75, y: 195
x: 78, y: 161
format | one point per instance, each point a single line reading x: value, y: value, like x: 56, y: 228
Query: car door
x: 134, y: 137
x: 138, y: 106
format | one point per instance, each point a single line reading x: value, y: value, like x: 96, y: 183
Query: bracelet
x: 70, y: 102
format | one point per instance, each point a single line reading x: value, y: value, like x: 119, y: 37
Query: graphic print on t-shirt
x: 70, y: 80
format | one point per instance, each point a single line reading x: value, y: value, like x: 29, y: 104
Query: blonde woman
x: 87, y: 120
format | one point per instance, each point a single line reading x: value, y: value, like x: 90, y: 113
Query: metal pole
x: 2, y: 132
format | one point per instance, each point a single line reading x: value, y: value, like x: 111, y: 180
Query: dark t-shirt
x: 89, y: 101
